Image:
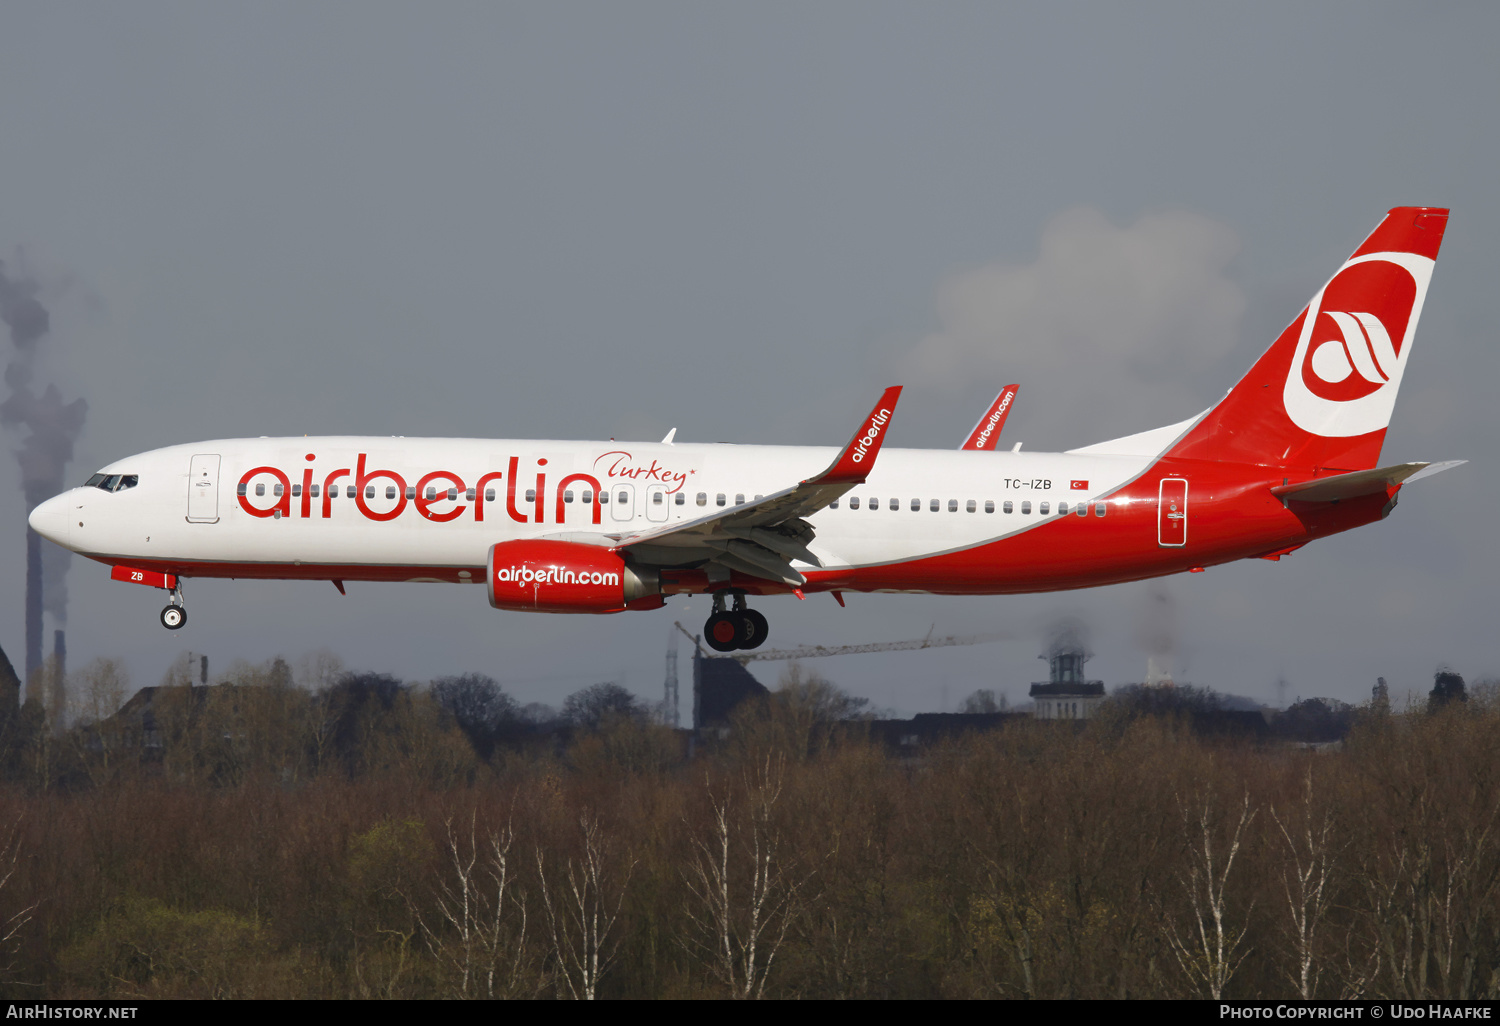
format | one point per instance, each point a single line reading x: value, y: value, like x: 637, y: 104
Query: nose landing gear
x: 175, y: 615
x: 738, y: 628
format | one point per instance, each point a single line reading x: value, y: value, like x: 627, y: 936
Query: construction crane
x: 819, y: 651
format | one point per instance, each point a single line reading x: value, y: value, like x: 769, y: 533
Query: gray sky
x: 742, y: 220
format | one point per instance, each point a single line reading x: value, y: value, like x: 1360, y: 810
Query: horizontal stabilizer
x: 1361, y: 482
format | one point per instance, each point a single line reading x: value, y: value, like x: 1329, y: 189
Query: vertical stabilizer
x: 1322, y: 395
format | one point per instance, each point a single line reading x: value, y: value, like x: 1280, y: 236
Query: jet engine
x: 542, y: 576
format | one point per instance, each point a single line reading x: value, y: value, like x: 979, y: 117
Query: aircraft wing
x: 1360, y: 482
x: 986, y: 433
x: 762, y: 538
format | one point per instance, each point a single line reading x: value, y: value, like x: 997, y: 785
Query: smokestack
x: 33, y: 605
x: 59, y: 680
x: 52, y: 426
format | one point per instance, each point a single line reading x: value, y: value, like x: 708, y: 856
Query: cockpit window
x: 112, y: 482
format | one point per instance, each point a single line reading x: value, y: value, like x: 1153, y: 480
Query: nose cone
x: 50, y: 519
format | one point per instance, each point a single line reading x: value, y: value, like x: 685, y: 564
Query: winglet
x: 858, y: 458
x: 986, y: 433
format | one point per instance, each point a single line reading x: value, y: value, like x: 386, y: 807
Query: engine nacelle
x: 544, y: 576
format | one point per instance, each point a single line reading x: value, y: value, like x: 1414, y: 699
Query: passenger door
x: 1171, y: 512
x: 203, y: 489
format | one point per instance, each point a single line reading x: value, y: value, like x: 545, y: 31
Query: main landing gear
x: 175, y: 615
x: 738, y: 628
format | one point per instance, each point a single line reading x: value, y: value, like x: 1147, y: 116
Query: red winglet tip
x: 798, y: 593
x: 858, y: 457
x: 838, y: 597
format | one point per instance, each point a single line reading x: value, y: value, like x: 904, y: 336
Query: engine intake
x: 542, y: 576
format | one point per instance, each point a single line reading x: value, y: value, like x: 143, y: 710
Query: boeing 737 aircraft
x: 1288, y: 456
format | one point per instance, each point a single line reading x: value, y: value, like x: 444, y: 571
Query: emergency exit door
x: 1171, y: 512
x: 203, y: 490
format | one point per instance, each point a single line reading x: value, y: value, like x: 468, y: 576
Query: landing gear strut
x: 175, y: 614
x: 738, y: 628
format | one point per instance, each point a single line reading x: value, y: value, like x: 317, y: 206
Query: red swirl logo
x: 1358, y: 331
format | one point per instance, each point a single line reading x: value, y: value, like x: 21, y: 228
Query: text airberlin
x: 873, y: 432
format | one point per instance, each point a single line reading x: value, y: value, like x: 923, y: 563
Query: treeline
x: 363, y: 838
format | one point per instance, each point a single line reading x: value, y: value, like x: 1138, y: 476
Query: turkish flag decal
x: 1079, y: 486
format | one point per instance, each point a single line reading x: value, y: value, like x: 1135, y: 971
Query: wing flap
x: 762, y: 538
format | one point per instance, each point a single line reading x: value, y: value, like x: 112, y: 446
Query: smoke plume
x: 51, y: 427
x: 1156, y: 632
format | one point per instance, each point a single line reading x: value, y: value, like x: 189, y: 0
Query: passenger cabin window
x: 916, y: 505
x: 1026, y: 507
x: 971, y: 506
x: 934, y: 505
x: 655, y: 498
x: 489, y: 495
x: 703, y: 498
x: 531, y: 495
x: 349, y: 491
x: 1098, y: 509
x: 277, y: 490
x: 1082, y: 509
x: 719, y: 499
x: 622, y: 498
x: 834, y: 504
x: 874, y: 502
x: 1044, y: 508
x: 567, y: 495
x: 260, y: 488
x: 469, y: 495
x: 588, y: 496
x: 681, y: 498
x: 1008, y: 507
x: 854, y: 502
x: 1062, y: 509
x: 989, y: 505
x: 431, y: 493
x: 895, y: 505
x: 241, y: 490
x: 390, y: 491
x: 314, y: 491
x: 739, y: 498
x: 296, y: 490
x: 952, y: 505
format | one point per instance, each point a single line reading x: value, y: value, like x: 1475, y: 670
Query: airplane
x: 986, y: 433
x: 1289, y: 455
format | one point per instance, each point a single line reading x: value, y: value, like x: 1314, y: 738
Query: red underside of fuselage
x: 1231, y: 516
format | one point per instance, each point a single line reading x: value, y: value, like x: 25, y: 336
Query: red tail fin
x: 1322, y: 395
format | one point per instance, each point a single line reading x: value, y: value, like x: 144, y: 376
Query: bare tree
x: 479, y: 934
x: 10, y: 926
x: 581, y: 906
x: 1312, y: 860
x: 1209, y: 951
x: 742, y: 898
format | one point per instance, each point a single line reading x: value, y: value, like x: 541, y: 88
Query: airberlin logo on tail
x: 881, y: 418
x: 1351, y: 351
